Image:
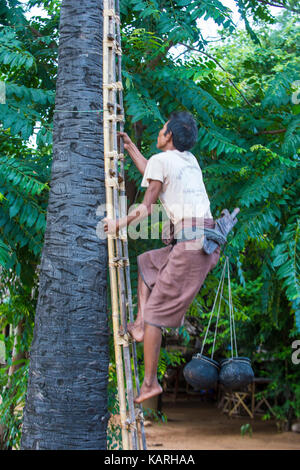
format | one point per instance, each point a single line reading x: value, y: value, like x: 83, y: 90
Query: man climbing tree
x: 66, y: 405
x: 170, y: 277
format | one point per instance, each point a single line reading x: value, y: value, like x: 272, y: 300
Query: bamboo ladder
x: 132, y: 421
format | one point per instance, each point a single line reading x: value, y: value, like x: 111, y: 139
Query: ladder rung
x: 114, y: 154
x: 111, y: 105
x: 124, y: 341
x: 113, y: 86
x: 112, y: 14
x: 114, y: 180
x: 139, y: 415
x: 119, y: 178
x: 111, y: 182
x: 125, y: 338
x: 114, y: 183
x: 123, y: 260
x: 115, y: 117
x: 120, y: 263
x: 130, y: 424
x: 113, y: 44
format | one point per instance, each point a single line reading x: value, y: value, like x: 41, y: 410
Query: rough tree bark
x: 66, y: 406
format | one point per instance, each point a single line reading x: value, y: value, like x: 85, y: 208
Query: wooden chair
x: 250, y: 400
x: 258, y: 398
x: 233, y: 403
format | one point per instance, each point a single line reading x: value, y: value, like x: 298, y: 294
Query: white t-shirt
x: 183, y: 191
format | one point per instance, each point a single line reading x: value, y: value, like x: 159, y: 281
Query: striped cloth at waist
x: 192, y: 222
x: 196, y: 228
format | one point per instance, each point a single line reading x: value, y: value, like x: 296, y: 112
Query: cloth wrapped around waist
x: 192, y: 229
x: 214, y: 232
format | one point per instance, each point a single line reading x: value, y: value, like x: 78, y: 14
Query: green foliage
x: 114, y: 433
x: 240, y: 93
x: 4, y: 254
x: 246, y: 429
x: 23, y: 207
x: 13, y: 391
x: 286, y: 258
x: 248, y: 148
x: 16, y: 310
x: 27, y: 69
x: 12, y: 51
x: 27, y: 65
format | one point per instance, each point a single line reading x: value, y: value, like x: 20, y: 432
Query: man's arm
x: 143, y: 209
x: 138, y: 159
x: 111, y: 226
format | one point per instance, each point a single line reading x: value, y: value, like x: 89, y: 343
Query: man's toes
x: 149, y: 393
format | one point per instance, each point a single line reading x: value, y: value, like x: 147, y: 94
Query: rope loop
x: 233, y: 341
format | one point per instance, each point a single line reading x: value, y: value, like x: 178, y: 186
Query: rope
x: 221, y: 294
x: 231, y: 315
x: 212, y: 311
x: 78, y: 111
x: 233, y: 341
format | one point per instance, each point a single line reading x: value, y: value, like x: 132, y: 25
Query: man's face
x: 162, y: 140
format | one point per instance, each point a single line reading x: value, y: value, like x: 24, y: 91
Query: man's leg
x: 136, y: 329
x: 152, y: 342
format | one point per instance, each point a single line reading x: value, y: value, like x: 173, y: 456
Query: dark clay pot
x: 236, y: 373
x: 202, y: 372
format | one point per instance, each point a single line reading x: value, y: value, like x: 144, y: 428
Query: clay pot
x: 202, y: 372
x: 236, y: 373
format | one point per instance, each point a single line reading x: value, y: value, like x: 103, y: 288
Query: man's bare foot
x: 136, y: 330
x: 148, y: 392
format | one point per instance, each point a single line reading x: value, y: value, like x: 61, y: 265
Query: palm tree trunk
x: 66, y: 406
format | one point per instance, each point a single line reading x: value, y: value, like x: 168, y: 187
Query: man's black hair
x: 184, y: 129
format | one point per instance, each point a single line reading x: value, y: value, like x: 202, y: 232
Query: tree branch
x: 218, y: 63
x: 37, y: 33
x: 276, y: 131
x: 280, y: 4
x: 154, y: 62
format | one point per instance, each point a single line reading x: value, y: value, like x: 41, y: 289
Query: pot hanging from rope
x: 233, y: 373
x: 203, y: 372
x: 236, y: 372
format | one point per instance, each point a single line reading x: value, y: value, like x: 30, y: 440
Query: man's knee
x: 153, y: 325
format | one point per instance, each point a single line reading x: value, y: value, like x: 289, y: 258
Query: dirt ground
x: 196, y: 425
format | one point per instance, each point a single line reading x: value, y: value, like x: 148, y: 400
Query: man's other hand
x: 126, y: 139
x: 111, y: 226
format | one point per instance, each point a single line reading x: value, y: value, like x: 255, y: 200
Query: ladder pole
x: 110, y: 242
x: 124, y: 240
x: 121, y: 281
x: 121, y: 295
x: 134, y: 353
